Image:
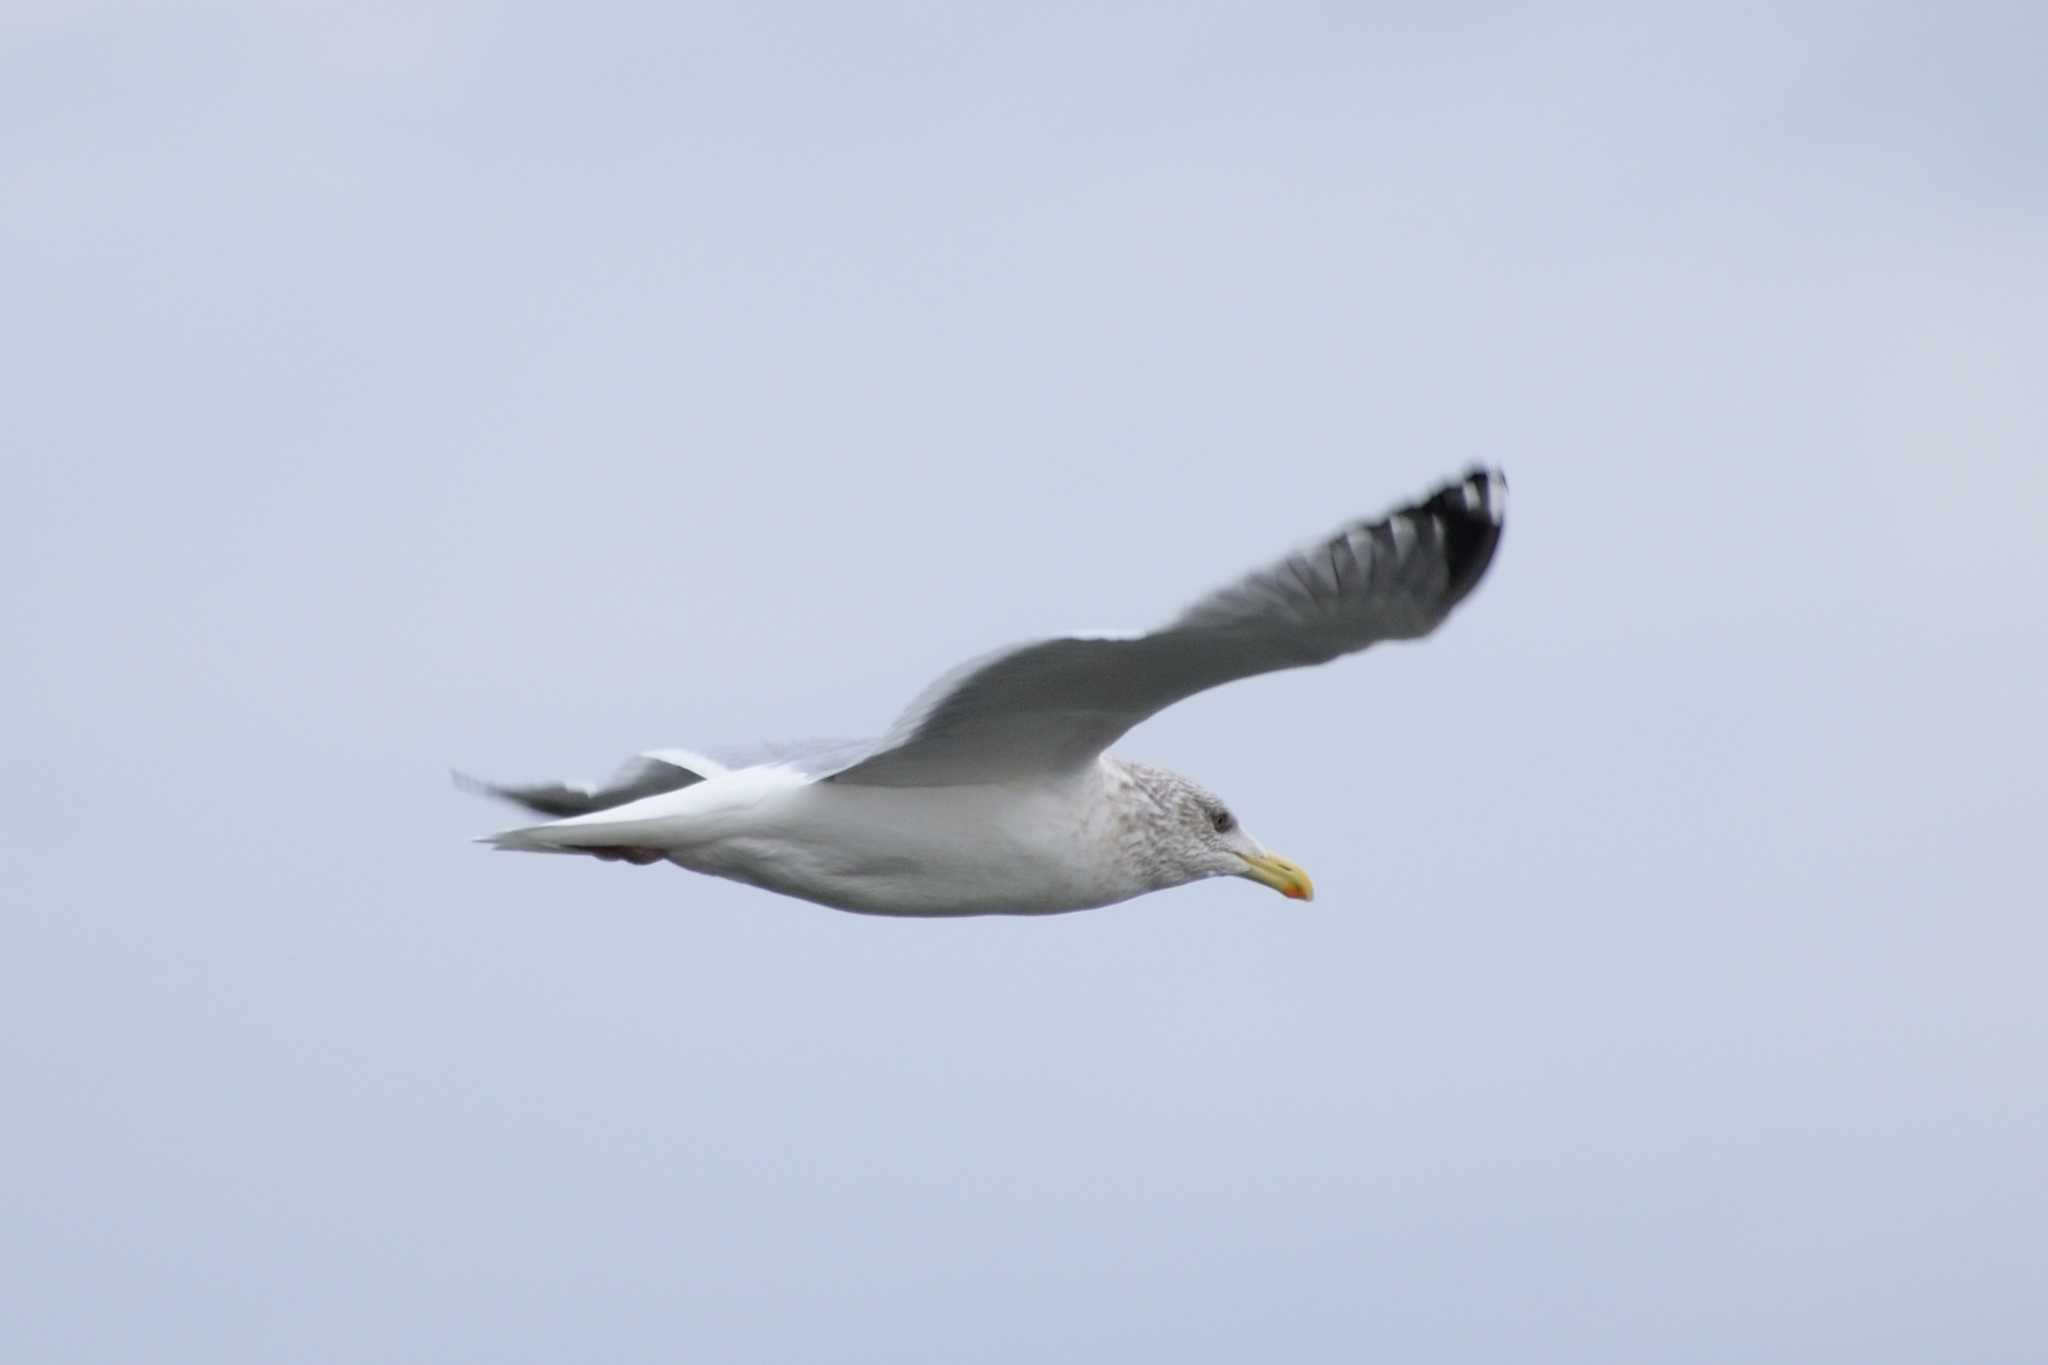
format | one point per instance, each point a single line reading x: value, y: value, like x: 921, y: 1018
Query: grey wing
x: 1054, y: 705
x: 812, y: 758
x: 649, y: 774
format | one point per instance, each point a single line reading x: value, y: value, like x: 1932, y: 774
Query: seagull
x: 993, y: 794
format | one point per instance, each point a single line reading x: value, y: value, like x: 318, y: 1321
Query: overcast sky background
x: 512, y: 387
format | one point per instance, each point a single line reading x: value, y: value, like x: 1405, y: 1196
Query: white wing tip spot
x: 1403, y: 532
x: 1486, y: 493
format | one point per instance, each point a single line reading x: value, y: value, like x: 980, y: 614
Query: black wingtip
x: 554, y: 801
x: 643, y: 776
x: 1472, y: 512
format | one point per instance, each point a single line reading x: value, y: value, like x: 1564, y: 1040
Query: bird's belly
x: 922, y: 852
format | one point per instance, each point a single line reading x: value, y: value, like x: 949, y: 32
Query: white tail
x: 649, y: 825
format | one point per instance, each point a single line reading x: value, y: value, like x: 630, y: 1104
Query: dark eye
x: 1222, y: 820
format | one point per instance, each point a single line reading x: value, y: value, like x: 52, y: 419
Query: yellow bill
x: 1284, y: 876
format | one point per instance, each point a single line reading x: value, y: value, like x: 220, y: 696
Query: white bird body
x: 994, y: 794
x: 1038, y: 846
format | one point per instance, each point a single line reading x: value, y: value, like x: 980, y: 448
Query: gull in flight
x: 994, y: 793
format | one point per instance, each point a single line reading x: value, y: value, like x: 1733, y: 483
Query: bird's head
x: 1186, y: 833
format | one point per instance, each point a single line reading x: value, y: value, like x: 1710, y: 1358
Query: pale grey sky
x: 513, y: 387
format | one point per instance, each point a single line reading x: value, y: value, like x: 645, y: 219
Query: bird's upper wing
x: 1056, y: 704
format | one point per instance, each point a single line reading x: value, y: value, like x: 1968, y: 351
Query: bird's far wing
x: 650, y: 774
x: 810, y: 758
x: 1054, y: 705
